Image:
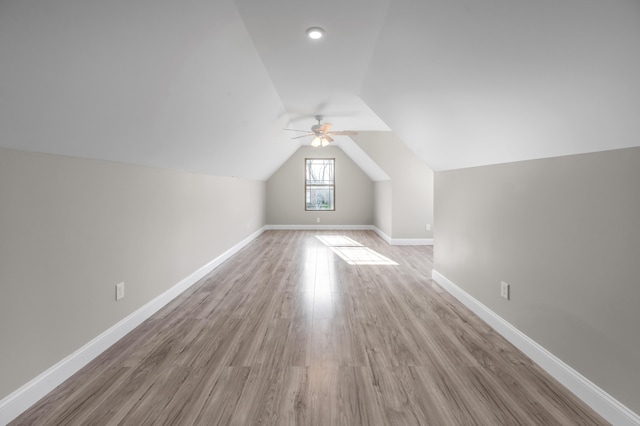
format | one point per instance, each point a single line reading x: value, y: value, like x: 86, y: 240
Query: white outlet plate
x: 317, y: 220
x: 428, y: 227
x: 504, y: 290
x: 120, y: 290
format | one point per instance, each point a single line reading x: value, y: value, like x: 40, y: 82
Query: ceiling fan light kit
x: 322, y: 134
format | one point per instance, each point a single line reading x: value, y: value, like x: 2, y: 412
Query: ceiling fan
x: 322, y: 133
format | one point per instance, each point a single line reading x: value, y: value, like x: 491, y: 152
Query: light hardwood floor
x: 288, y: 333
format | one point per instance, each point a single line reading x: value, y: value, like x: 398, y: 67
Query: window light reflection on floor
x: 353, y: 252
x: 338, y: 241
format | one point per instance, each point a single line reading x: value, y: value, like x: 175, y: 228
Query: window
x: 319, y: 186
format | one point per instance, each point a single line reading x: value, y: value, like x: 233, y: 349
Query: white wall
x: 286, y: 196
x: 411, y: 184
x: 564, y: 232
x: 70, y: 229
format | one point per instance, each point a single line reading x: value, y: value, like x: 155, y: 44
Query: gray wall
x: 382, y: 213
x: 565, y: 234
x: 70, y: 229
x: 411, y: 184
x: 285, y: 192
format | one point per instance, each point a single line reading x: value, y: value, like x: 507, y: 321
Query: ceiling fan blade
x: 324, y: 128
x: 303, y: 136
x: 343, y: 133
x: 329, y: 138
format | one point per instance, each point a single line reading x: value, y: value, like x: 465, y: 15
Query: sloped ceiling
x: 207, y: 86
x: 468, y: 83
x: 175, y: 84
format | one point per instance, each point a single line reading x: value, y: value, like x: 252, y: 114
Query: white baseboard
x: 382, y: 235
x: 320, y: 227
x: 603, y: 403
x: 388, y: 239
x: 411, y: 241
x: 20, y: 400
x: 403, y: 241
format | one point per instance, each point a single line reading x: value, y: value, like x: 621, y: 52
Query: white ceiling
x: 208, y: 85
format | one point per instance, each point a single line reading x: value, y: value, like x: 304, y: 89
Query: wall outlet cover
x: 119, y: 290
x: 504, y: 290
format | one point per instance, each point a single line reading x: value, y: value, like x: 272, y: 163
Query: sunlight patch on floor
x: 353, y: 252
x: 361, y: 256
x: 338, y: 241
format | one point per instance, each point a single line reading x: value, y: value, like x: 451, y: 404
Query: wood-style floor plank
x: 287, y: 332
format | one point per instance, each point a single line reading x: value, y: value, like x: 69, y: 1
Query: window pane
x: 320, y: 197
x: 319, y: 172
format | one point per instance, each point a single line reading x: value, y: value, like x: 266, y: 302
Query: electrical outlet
x: 504, y: 290
x: 317, y: 220
x: 428, y: 227
x: 120, y: 290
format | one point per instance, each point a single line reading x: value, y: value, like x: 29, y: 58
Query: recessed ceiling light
x: 315, y: 32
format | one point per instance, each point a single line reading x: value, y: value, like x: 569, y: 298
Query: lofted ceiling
x: 209, y: 85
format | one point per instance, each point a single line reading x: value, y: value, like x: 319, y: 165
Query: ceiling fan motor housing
x: 315, y: 127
